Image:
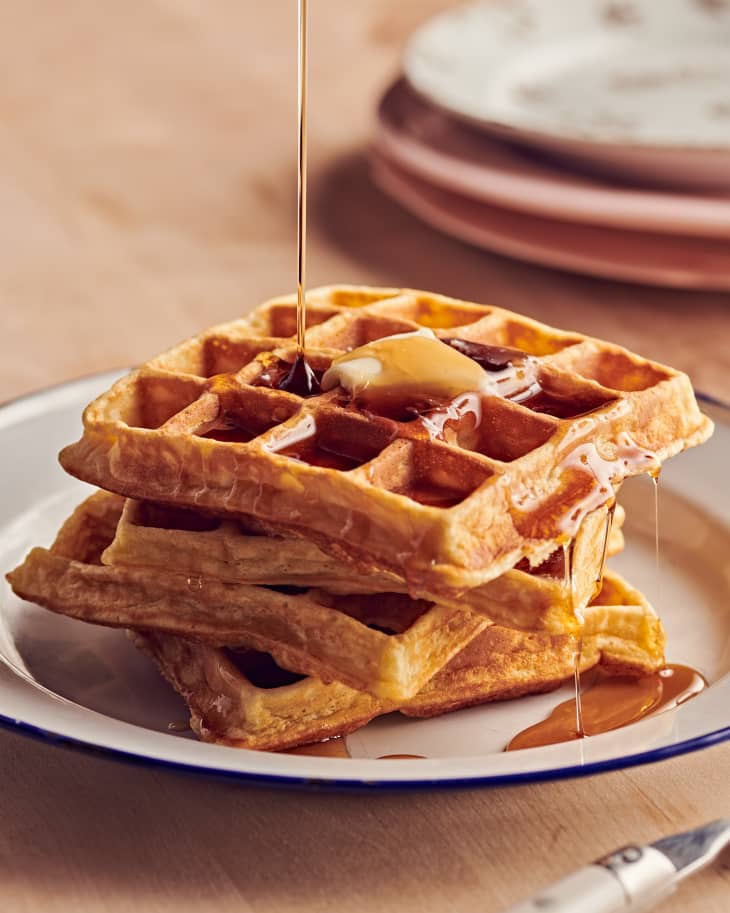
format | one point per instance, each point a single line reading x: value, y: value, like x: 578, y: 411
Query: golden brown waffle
x: 622, y: 633
x: 195, y: 427
x: 228, y: 707
x: 200, y: 589
x: 189, y: 542
x: 244, y: 698
x: 381, y: 641
x: 330, y: 636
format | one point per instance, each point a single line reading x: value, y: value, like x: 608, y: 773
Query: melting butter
x: 406, y: 366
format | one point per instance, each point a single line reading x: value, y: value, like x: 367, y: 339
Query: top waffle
x: 448, y: 501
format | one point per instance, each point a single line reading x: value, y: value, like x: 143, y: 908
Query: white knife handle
x: 632, y: 878
x: 592, y: 888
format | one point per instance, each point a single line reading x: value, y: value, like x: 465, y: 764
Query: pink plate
x: 445, y: 152
x: 636, y: 256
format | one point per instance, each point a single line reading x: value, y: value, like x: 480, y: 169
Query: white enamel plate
x: 87, y: 686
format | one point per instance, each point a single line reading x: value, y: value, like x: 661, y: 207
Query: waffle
x: 208, y: 547
x: 446, y: 509
x: 165, y: 571
x: 243, y: 698
x: 345, y: 638
x: 239, y: 694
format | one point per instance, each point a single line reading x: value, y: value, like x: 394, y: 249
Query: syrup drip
x: 513, y: 374
x: 593, y: 479
x: 491, y: 358
x: 301, y: 379
x: 519, y: 379
x: 302, y: 181
x: 578, y: 641
x: 579, y: 728
x: 434, y: 422
x: 612, y: 702
x: 604, y: 551
x: 654, y: 476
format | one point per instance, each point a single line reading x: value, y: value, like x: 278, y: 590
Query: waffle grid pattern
x: 198, y: 426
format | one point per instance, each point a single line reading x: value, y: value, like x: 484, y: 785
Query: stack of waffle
x: 297, y: 566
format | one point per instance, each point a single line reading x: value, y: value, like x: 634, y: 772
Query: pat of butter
x: 405, y: 366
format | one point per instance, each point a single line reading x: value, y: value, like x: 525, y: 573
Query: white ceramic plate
x: 677, y: 261
x: 83, y: 685
x: 637, y: 87
x: 451, y: 154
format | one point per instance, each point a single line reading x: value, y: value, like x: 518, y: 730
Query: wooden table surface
x: 148, y: 189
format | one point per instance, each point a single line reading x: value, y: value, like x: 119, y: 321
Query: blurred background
x: 148, y: 187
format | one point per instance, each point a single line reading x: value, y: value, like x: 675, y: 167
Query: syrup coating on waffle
x: 449, y: 495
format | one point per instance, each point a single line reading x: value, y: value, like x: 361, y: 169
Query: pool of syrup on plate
x: 609, y: 702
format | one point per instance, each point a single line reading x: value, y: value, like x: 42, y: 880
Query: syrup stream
x: 302, y: 180
x: 301, y: 379
x: 604, y: 553
x: 654, y: 476
x: 568, y: 579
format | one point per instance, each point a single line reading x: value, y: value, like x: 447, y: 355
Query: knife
x: 634, y: 877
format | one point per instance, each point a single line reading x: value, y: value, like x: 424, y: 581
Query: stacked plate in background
x: 592, y: 135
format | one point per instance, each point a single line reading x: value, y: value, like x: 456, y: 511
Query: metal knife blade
x: 692, y: 850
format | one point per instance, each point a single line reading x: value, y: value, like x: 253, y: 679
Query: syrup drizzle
x: 302, y: 179
x: 604, y: 551
x: 301, y: 379
x: 654, y: 476
x: 434, y: 421
x: 596, y: 474
x: 491, y: 358
x: 513, y: 373
x: 578, y: 641
x: 614, y: 701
